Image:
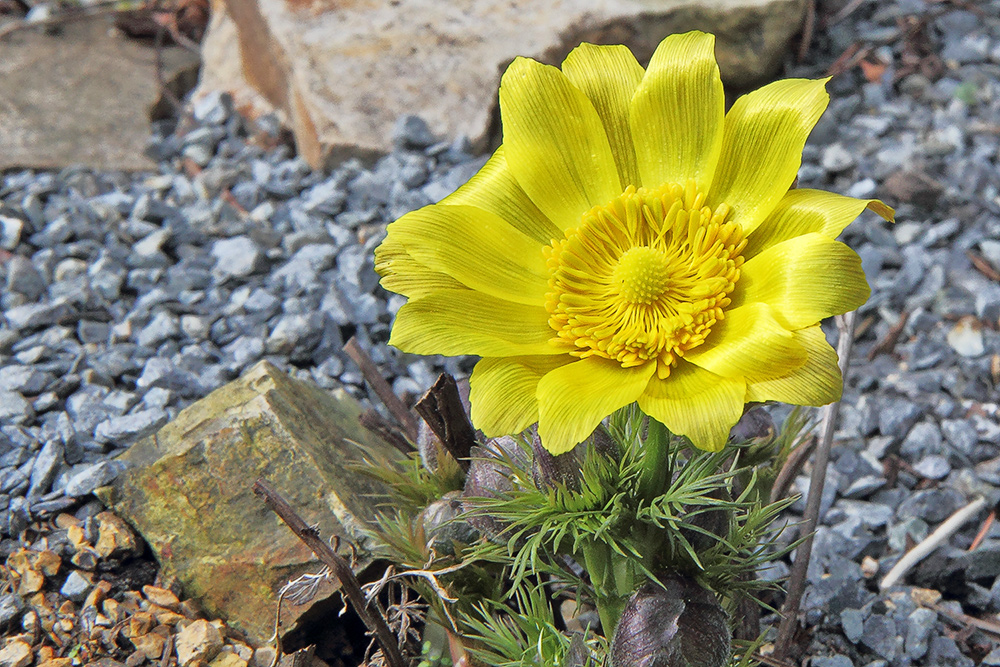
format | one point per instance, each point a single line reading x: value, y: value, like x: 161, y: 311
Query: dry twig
x: 808, y: 24
x: 931, y: 542
x: 793, y: 464
x: 340, y: 568
x: 983, y: 266
x: 888, y: 344
x: 797, y: 578
x: 382, y: 389
x: 964, y: 619
x: 386, y: 430
x: 983, y: 530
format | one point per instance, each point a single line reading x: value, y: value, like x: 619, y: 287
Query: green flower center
x: 644, y: 277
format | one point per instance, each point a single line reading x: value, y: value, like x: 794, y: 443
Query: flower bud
x: 755, y: 427
x: 604, y: 444
x: 679, y: 624
x: 549, y: 471
x: 442, y: 527
x: 489, y: 477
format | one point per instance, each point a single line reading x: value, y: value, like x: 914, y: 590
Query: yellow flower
x: 632, y: 241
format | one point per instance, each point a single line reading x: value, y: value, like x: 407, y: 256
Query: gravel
x: 125, y: 297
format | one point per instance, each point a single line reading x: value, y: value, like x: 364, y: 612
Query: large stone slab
x: 341, y: 73
x: 188, y: 491
x: 81, y: 96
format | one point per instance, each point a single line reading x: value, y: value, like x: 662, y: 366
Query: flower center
x: 644, y: 277
x: 642, y: 274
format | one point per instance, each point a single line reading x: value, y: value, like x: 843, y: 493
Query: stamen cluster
x: 644, y: 277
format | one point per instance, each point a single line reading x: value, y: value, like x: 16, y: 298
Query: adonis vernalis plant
x: 633, y: 266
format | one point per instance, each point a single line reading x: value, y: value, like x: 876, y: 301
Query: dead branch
x: 888, y: 344
x: 931, y: 542
x: 382, y: 389
x: 386, y: 430
x: 797, y: 578
x: 338, y: 566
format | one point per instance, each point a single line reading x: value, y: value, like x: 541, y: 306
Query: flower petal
x: 804, y: 280
x: 573, y: 399
x: 750, y: 342
x: 802, y: 211
x: 696, y: 403
x: 504, y: 392
x: 817, y: 382
x: 404, y: 275
x: 608, y: 75
x: 678, y: 111
x: 762, y: 147
x: 554, y: 143
x: 453, y: 322
x: 495, y: 189
x: 476, y: 248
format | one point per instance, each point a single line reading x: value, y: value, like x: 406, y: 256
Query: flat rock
x: 340, y: 74
x: 79, y: 97
x: 188, y: 491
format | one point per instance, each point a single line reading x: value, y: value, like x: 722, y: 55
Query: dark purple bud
x: 603, y: 443
x: 679, y: 624
x: 442, y: 527
x: 489, y: 476
x: 549, y: 471
x: 755, y: 426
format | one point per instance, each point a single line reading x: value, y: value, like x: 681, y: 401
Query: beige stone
x: 341, y: 73
x: 162, y: 597
x: 56, y: 662
x: 189, y: 493
x: 151, y: 644
x: 81, y: 96
x: 115, y: 539
x: 198, y: 641
x: 228, y: 659
x: 15, y: 654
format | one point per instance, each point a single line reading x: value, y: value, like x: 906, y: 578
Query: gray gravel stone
x: 933, y: 467
x: 832, y: 661
x: 34, y: 315
x: 23, y: 278
x: 881, y: 637
x: 919, y: 625
x: 897, y: 416
x: 75, y: 587
x: 944, y: 652
x: 45, y: 467
x: 10, y: 232
x: 163, y: 326
x: 238, y: 257
x: 931, y: 505
x: 960, y: 434
x: 853, y: 623
x: 125, y: 430
x: 11, y: 607
x: 18, y: 515
x: 91, y: 477
x: 14, y: 408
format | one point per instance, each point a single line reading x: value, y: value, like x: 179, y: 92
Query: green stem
x: 612, y: 578
x: 653, y: 479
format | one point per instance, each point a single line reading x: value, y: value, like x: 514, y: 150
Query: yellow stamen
x: 644, y: 277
